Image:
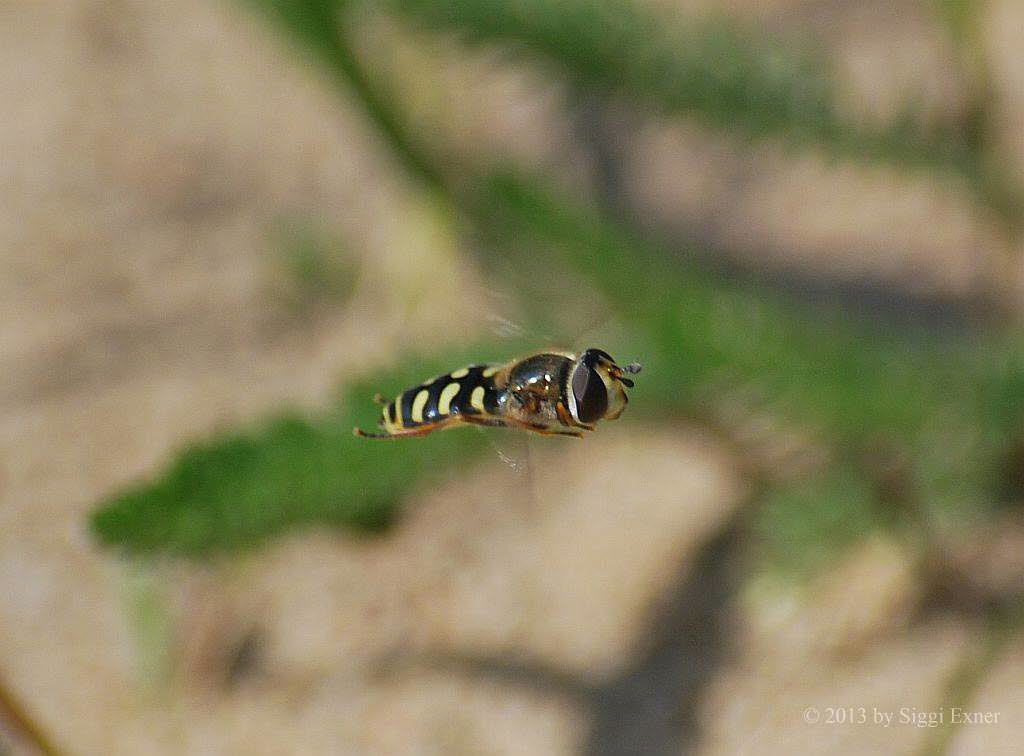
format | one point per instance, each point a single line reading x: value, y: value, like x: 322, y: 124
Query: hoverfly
x: 551, y: 393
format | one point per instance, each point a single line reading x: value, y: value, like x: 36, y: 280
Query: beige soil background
x: 148, y: 152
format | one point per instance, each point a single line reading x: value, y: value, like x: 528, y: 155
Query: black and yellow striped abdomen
x: 468, y: 391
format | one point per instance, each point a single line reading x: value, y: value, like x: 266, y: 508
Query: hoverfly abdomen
x: 548, y: 392
x: 478, y: 394
x: 464, y: 392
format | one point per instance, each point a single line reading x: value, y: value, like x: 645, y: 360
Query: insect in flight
x: 551, y: 393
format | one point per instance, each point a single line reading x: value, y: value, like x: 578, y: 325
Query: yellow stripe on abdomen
x: 416, y: 415
x: 447, y: 394
x: 476, y: 399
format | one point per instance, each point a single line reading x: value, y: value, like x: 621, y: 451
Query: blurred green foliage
x: 238, y: 489
x: 945, y: 407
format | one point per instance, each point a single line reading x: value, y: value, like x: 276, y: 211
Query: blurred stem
x: 150, y: 623
x: 321, y: 26
x: 23, y: 725
x: 967, y: 678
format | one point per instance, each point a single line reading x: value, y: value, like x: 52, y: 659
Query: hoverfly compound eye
x: 588, y: 395
x: 592, y: 357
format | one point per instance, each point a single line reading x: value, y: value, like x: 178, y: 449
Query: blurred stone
x: 891, y: 57
x: 775, y: 212
x: 985, y: 563
x: 868, y: 594
x: 788, y: 693
x: 558, y: 564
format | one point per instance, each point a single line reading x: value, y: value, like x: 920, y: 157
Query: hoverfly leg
x: 490, y: 422
x: 542, y: 430
x: 422, y: 430
x: 567, y: 419
x: 363, y: 434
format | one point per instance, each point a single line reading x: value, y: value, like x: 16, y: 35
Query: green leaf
x: 237, y: 490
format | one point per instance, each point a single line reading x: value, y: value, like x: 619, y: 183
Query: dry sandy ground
x: 148, y: 150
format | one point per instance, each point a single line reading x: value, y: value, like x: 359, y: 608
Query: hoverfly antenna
x: 618, y: 372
